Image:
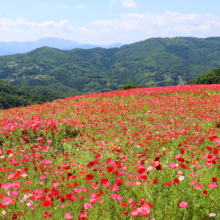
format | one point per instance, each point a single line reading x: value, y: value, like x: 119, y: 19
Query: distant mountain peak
x: 9, y: 48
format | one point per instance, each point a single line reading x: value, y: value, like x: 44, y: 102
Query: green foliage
x: 211, y: 77
x: 11, y: 96
x: 130, y: 86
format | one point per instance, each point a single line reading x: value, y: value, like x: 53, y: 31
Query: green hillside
x: 11, y: 96
x: 153, y: 62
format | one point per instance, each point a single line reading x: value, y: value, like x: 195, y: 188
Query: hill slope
x: 153, y: 62
x: 11, y: 96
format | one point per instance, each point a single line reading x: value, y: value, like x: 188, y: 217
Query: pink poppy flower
x: 46, y: 215
x: 93, y: 200
x: 43, y: 177
x: 208, y: 164
x: 131, y: 183
x: 68, y: 215
x: 10, y: 175
x: 167, y: 183
x: 83, y: 215
x: 29, y: 182
x: 173, y: 166
x: 149, y: 168
x: 135, y: 213
x: 88, y: 206
x: 24, y: 175
x: 55, y: 185
x: 183, y: 204
x: 17, y: 185
x: 62, y: 206
x: 179, y: 172
x: 115, y: 188
x: 5, y: 186
x: 7, y: 200
x: 193, y: 182
x: 121, y: 173
x: 95, y: 186
x: 144, y: 213
x: 198, y: 186
x: 212, y: 185
x: 146, y: 208
x: 192, y: 174
x: 212, y: 215
x: 119, y: 198
x: 113, y: 196
x: 14, y: 193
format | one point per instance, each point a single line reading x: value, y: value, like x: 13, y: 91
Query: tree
x: 211, y: 77
x: 130, y: 86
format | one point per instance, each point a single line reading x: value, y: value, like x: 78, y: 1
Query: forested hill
x: 153, y: 62
x: 11, y: 96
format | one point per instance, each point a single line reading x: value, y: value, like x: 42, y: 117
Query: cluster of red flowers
x: 118, y: 152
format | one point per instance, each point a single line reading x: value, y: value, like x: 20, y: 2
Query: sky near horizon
x: 102, y: 22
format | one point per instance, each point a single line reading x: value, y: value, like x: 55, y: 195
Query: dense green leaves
x: 130, y: 86
x: 211, y: 77
x: 11, y: 96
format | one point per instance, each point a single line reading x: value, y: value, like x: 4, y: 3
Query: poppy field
x: 148, y: 153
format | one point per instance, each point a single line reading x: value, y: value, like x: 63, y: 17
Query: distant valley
x: 153, y: 62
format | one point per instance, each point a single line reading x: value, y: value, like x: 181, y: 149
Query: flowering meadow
x: 149, y: 153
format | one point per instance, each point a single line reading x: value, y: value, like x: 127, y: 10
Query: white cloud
x: 23, y: 30
x: 83, y: 30
x: 113, y: 2
x: 62, y: 6
x: 130, y: 27
x: 110, y: 14
x: 79, y: 6
x: 125, y: 3
x: 136, y: 27
x: 128, y: 4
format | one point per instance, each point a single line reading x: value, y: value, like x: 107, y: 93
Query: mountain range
x: 9, y: 48
x: 153, y: 62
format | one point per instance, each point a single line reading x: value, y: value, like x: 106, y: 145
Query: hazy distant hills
x: 8, y: 48
x: 153, y: 62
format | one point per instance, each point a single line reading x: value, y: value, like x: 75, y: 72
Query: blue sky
x: 107, y: 21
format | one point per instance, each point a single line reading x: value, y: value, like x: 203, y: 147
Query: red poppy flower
x: 142, y: 170
x: 103, y: 181
x: 89, y: 177
x: 205, y: 192
x: 150, y: 204
x: 155, y: 181
x: 214, y: 179
x: 125, y: 212
x: 123, y: 204
x: 47, y: 203
x: 159, y: 167
x: 14, y: 216
x: 176, y: 181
